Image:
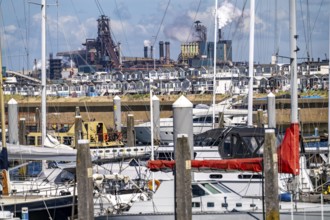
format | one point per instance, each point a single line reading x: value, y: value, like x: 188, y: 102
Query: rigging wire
x: 20, y: 32
x: 310, y: 27
x: 122, y: 26
x: 99, y: 7
x: 161, y: 23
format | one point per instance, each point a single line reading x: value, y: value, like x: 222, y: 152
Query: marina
x: 95, y: 133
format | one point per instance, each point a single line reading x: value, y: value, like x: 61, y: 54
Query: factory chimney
x: 145, y: 51
x: 161, y: 51
x: 151, y: 52
x: 219, y: 34
x: 167, y: 52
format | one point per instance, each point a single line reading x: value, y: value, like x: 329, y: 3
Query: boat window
x: 135, y: 149
x: 249, y: 176
x: 228, y: 144
x: 195, y: 204
x: 210, y: 188
x: 207, y: 119
x: 101, y: 151
x: 128, y: 150
x: 252, y: 144
x: 64, y: 176
x: 114, y: 151
x: 215, y: 176
x: 198, y: 191
x: 107, y: 151
x: 221, y: 188
x: 210, y: 204
x: 121, y: 150
x: 31, y: 140
x: 67, y: 140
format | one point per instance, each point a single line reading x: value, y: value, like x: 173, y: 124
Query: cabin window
x: 210, y: 188
x: 210, y: 205
x: 215, y: 176
x: 135, y: 149
x: 249, y: 176
x: 121, y: 150
x: 128, y: 150
x: 114, y: 151
x: 195, y: 204
x: 107, y: 151
x: 198, y: 191
x: 221, y: 188
x: 100, y: 151
x: 251, y: 142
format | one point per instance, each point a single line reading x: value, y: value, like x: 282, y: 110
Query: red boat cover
x: 288, y: 151
x: 288, y: 162
x: 248, y: 164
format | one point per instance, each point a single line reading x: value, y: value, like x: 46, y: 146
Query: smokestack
x: 151, y: 52
x: 161, y: 51
x: 219, y: 34
x: 145, y: 51
x: 167, y: 52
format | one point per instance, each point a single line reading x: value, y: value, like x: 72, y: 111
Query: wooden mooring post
x: 84, y: 181
x: 271, y: 163
x: 130, y: 131
x: 182, y: 177
x: 22, y: 131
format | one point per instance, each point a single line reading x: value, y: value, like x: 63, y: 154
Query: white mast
x: 43, y: 72
x: 214, y: 61
x: 2, y: 104
x: 251, y: 60
x: 293, y: 67
x: 329, y: 99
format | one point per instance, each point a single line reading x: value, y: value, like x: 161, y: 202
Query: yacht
x: 213, y: 200
x: 202, y: 121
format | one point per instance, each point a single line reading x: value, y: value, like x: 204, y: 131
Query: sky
x: 136, y: 23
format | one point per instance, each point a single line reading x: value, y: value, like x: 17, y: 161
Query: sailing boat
x: 45, y: 199
x: 211, y: 200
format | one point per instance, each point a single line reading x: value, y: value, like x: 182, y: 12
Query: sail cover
x: 248, y: 164
x: 26, y: 152
x: 288, y: 151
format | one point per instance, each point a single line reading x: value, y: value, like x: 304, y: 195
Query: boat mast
x: 293, y: 67
x: 251, y: 60
x: 329, y: 99
x: 2, y: 105
x: 43, y: 72
x: 214, y: 61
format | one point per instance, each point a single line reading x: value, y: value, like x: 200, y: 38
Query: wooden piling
x: 22, y: 131
x: 271, y: 176
x: 182, y: 177
x: 130, y: 131
x: 84, y: 181
x: 221, y: 120
x: 77, y: 112
x: 260, y: 118
x: 77, y: 130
